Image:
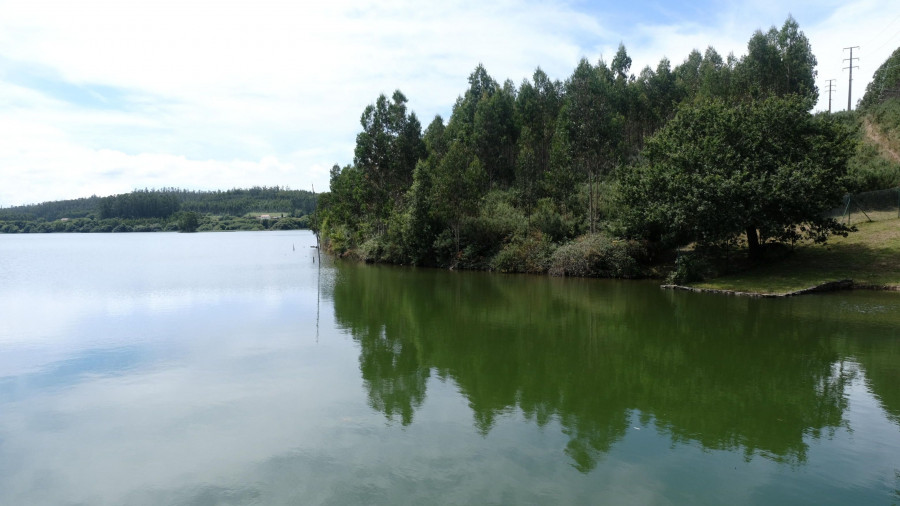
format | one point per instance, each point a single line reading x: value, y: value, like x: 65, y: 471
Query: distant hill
x: 167, y: 201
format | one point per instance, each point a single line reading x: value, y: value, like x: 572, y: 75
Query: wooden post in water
x: 319, y: 267
x: 316, y: 231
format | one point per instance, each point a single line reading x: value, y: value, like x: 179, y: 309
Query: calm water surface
x: 233, y: 369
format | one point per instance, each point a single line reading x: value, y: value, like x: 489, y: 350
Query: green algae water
x: 241, y: 368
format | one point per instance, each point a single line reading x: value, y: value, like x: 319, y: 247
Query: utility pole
x: 830, y: 89
x: 850, y: 66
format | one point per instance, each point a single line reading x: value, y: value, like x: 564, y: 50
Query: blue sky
x: 105, y: 96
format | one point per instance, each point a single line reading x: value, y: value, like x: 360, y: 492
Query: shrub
x: 689, y: 268
x: 496, y: 223
x: 336, y: 238
x: 288, y: 224
x: 371, y: 250
x: 595, y: 255
x: 531, y: 254
x: 548, y: 220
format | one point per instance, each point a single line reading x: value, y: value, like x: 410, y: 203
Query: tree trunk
x: 456, y: 234
x: 591, y: 199
x: 753, y: 242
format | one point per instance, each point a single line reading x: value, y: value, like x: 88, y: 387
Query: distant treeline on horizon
x: 162, y: 206
x: 156, y: 203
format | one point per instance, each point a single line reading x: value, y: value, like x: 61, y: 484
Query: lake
x: 239, y: 368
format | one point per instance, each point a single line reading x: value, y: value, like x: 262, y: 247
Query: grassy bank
x: 870, y: 256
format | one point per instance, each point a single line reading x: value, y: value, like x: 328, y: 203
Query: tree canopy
x: 704, y: 150
x: 764, y: 168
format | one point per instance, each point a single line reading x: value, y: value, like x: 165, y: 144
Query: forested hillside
x: 593, y: 175
x: 154, y: 210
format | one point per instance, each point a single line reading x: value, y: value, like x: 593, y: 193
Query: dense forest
x: 166, y: 209
x: 608, y: 172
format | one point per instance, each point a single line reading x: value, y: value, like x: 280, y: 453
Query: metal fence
x: 868, y: 206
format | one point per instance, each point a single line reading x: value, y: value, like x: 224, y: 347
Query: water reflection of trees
x: 729, y: 373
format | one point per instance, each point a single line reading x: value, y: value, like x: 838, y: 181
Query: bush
x: 531, y: 255
x: 595, y: 255
x: 288, y: 224
x: 548, y: 220
x: 372, y: 250
x: 868, y: 170
x: 444, y: 247
x: 497, y: 222
x: 336, y: 238
x: 689, y: 268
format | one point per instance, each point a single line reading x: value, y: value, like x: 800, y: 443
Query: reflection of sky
x: 74, y: 295
x: 112, y: 382
x: 211, y: 387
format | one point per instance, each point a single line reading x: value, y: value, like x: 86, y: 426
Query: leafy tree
x: 188, y: 222
x: 766, y: 168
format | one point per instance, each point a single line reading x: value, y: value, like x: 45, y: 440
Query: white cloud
x: 42, y: 156
x: 204, y: 94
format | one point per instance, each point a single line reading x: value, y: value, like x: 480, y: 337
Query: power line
x: 892, y: 37
x: 831, y: 88
x: 872, y: 40
x: 850, y: 66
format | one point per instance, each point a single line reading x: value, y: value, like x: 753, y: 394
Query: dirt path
x: 876, y: 137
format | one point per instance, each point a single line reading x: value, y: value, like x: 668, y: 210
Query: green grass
x: 870, y: 256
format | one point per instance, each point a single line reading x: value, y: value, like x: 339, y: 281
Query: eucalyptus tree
x: 627, y: 99
x: 538, y: 104
x: 386, y: 153
x: 716, y: 75
x: 484, y: 119
x: 779, y: 62
x: 657, y: 96
x: 495, y: 134
x: 456, y: 182
x: 461, y: 125
x: 420, y: 222
x: 688, y: 75
x: 592, y: 127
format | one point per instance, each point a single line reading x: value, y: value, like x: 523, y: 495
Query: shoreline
x: 830, y: 286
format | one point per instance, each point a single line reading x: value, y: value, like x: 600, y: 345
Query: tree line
x: 599, y: 172
x: 164, y: 209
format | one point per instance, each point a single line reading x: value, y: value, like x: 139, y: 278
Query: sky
x: 100, y: 97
